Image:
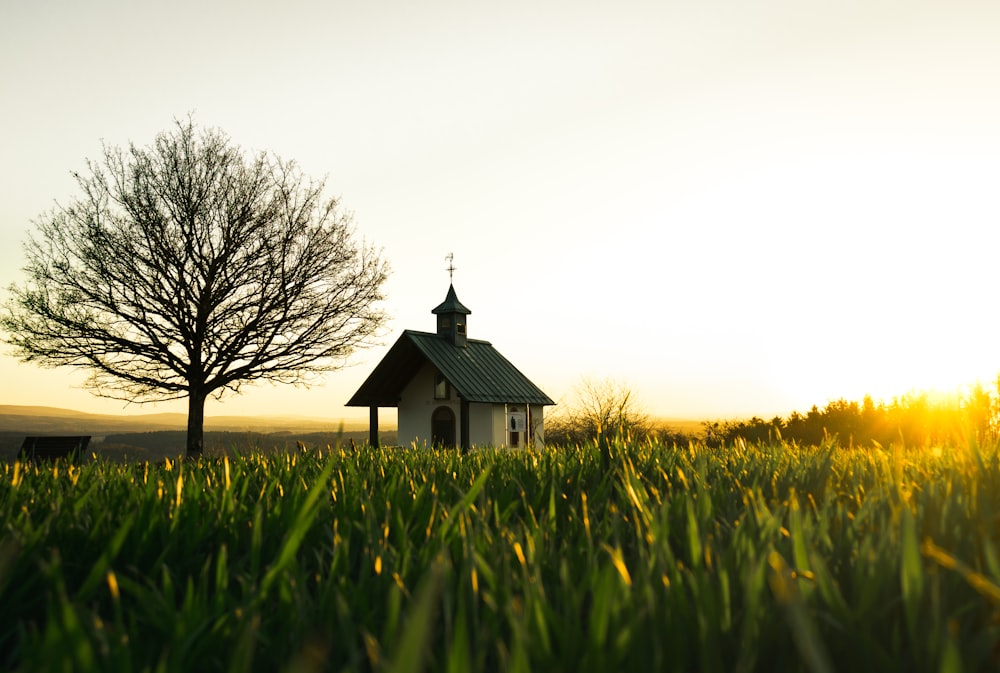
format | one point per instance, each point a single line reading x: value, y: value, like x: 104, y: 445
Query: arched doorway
x: 443, y: 427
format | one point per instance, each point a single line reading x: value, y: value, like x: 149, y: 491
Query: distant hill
x: 53, y: 420
x: 153, y: 436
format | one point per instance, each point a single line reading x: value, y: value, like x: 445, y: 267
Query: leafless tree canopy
x: 187, y: 268
x: 604, y: 407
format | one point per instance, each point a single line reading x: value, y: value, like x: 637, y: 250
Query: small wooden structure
x: 453, y: 391
x: 53, y: 447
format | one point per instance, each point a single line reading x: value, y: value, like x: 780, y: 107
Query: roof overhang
x: 385, y: 384
x: 477, y: 372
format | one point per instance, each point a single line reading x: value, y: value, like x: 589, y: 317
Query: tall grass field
x: 616, y: 556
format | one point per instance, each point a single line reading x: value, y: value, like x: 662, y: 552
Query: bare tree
x: 605, y: 407
x: 188, y: 268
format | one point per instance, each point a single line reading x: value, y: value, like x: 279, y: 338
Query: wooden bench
x: 51, y: 448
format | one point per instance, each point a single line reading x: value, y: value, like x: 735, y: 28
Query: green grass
x: 624, y: 557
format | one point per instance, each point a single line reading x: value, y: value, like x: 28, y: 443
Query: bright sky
x: 734, y: 208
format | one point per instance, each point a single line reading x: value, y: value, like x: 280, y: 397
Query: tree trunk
x: 196, y: 424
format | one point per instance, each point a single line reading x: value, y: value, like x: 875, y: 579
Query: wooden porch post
x: 463, y: 409
x: 373, y: 426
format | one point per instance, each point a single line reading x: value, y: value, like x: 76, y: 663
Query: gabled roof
x: 477, y: 372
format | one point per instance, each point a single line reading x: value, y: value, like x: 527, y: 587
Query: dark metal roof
x: 451, y: 304
x: 477, y: 372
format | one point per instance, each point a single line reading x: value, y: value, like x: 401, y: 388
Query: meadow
x: 612, y: 556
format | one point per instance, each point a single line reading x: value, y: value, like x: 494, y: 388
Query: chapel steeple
x: 451, y: 321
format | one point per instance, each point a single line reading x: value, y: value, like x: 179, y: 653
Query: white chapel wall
x: 498, y: 425
x: 487, y: 422
x: 416, y: 404
x: 538, y: 424
x: 481, y: 424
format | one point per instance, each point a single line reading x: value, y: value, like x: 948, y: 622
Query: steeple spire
x: 451, y: 321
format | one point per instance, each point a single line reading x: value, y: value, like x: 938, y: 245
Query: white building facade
x: 453, y: 391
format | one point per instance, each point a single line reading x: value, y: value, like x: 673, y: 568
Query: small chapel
x: 453, y: 391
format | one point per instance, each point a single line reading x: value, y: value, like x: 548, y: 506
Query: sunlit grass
x: 620, y: 557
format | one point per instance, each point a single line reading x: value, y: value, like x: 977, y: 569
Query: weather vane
x: 451, y: 266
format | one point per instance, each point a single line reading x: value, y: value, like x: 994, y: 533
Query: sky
x: 731, y: 208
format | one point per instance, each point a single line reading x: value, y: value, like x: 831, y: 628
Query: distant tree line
x: 916, y: 419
